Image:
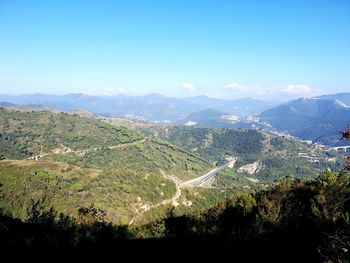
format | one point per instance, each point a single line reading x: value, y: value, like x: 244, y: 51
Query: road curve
x: 200, y: 181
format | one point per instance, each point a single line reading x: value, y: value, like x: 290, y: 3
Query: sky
x: 230, y: 49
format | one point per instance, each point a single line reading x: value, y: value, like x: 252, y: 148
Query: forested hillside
x: 23, y: 134
x: 292, y: 222
x: 83, y: 162
x: 86, y: 183
x: 276, y: 156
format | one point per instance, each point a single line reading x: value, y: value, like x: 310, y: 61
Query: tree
x: 346, y: 134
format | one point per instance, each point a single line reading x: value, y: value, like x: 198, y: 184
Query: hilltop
x: 318, y: 119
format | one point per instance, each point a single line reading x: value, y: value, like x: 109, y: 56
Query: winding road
x: 196, y: 182
x: 200, y: 181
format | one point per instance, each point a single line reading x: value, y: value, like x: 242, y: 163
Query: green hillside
x: 86, y: 162
x: 294, y: 221
x: 278, y: 156
x: 213, y: 144
x: 30, y: 133
x: 114, y: 185
x: 89, y: 162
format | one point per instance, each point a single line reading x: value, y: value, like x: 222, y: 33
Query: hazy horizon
x: 276, y: 100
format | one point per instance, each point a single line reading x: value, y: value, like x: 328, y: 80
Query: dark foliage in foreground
x: 295, y: 221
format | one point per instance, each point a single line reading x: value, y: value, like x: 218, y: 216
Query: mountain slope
x: 40, y: 131
x: 273, y: 156
x: 343, y: 97
x: 216, y: 119
x: 238, y: 107
x: 204, y: 118
x: 86, y: 162
x: 319, y: 120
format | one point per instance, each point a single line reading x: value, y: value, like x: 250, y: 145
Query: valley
x: 135, y: 173
x: 175, y: 131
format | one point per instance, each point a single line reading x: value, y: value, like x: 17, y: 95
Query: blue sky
x: 221, y: 48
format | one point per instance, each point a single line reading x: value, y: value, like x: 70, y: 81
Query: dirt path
x: 66, y: 150
x: 196, y: 182
x: 178, y: 184
x: 173, y: 200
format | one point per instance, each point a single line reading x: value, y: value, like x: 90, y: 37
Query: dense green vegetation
x: 85, y: 161
x: 279, y: 156
x: 142, y: 157
x: 213, y: 144
x: 30, y: 133
x: 229, y: 178
x: 91, y: 162
x: 94, y: 178
x: 295, y: 221
x: 118, y: 180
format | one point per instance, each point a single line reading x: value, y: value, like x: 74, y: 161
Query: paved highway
x: 199, y: 181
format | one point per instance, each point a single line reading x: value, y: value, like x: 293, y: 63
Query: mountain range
x: 238, y: 107
x: 153, y: 107
x: 319, y: 119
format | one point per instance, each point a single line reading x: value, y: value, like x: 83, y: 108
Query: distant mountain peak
x: 200, y: 96
x: 154, y: 95
x: 303, y: 118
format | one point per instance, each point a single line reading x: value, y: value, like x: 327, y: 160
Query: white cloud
x: 109, y: 91
x: 297, y: 89
x: 188, y: 86
x: 235, y: 86
x: 300, y: 89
